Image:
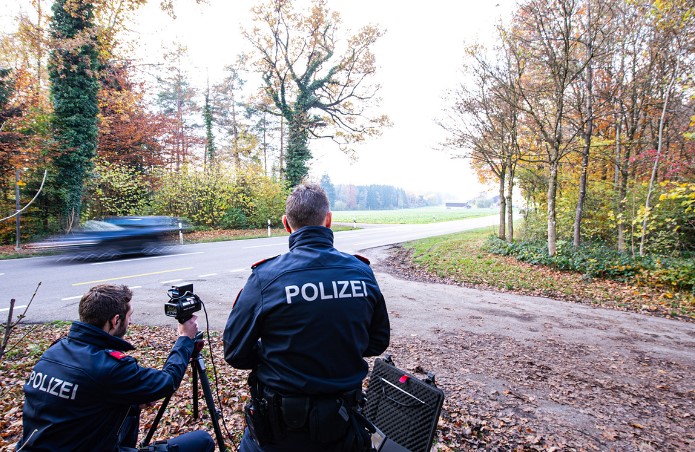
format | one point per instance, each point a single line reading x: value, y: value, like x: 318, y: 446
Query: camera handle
x: 198, y: 373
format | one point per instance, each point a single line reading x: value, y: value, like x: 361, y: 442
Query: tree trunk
x: 281, y: 162
x: 298, y: 153
x: 500, y: 232
x: 579, y: 212
x: 619, y: 189
x: 510, y: 211
x: 39, y: 55
x: 656, y: 160
x: 552, y: 221
x: 265, y: 144
x: 235, y: 134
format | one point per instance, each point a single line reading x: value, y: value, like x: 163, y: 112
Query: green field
x: 409, y: 216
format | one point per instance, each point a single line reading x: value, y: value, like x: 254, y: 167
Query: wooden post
x: 8, y: 326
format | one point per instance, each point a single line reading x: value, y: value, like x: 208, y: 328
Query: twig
x: 21, y: 316
x: 10, y: 326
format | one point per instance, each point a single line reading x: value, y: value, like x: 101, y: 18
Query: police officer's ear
x: 111, y: 324
x: 329, y: 218
x: 286, y: 224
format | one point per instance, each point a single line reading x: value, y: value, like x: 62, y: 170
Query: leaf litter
x: 501, y: 393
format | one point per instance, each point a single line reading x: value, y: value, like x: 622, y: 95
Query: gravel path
x: 537, y: 373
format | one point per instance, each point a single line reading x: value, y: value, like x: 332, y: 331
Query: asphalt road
x: 217, y: 271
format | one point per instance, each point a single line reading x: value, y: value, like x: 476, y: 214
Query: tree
x: 328, y: 186
x: 128, y: 133
x: 32, y: 45
x: 482, y: 122
x: 632, y: 87
x: 673, y: 20
x: 589, y: 123
x: 234, y: 118
x: 320, y: 85
x: 177, y: 103
x: 74, y: 88
x: 210, y: 148
x: 227, y: 104
x: 549, y: 60
x: 8, y: 147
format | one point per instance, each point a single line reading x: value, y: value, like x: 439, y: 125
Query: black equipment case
x: 404, y: 408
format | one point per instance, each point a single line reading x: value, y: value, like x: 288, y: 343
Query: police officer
x: 303, y: 323
x: 79, y: 394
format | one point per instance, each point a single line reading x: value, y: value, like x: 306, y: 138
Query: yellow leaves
x: 683, y: 193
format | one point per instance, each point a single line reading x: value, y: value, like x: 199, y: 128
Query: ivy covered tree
x: 317, y: 82
x: 72, y: 71
x: 210, y: 147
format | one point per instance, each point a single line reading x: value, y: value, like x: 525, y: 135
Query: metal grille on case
x: 402, y: 406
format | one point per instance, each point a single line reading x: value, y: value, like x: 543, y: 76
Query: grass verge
x: 420, y: 215
x: 460, y: 258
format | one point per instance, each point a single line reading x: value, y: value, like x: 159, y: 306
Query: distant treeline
x: 374, y: 197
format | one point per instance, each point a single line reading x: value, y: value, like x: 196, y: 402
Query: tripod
x: 198, y: 370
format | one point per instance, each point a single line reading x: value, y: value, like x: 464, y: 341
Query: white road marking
x: 145, y: 258
x: 71, y: 298
x: 262, y: 246
x: 132, y: 276
x: 205, y: 276
x: 170, y: 281
x: 16, y: 307
x: 237, y: 270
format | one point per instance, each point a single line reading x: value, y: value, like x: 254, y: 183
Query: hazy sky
x: 418, y: 59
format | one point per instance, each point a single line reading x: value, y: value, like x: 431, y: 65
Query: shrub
x: 600, y: 261
x: 116, y: 190
x: 234, y: 218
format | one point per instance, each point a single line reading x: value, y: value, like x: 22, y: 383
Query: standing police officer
x: 79, y: 394
x: 304, y: 322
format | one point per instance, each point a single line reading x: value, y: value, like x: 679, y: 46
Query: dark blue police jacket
x: 79, y: 392
x: 317, y: 313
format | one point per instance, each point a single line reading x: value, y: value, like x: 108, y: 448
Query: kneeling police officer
x: 303, y: 323
x: 84, y: 393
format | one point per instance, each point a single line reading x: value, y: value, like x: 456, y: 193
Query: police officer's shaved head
x: 307, y: 205
x: 104, y: 301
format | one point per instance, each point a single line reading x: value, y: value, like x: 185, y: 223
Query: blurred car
x: 114, y: 237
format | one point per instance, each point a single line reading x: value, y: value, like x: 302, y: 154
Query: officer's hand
x: 189, y: 327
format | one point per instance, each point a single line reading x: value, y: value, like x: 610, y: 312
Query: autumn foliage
x: 586, y: 108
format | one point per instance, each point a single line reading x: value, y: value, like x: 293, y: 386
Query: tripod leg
x: 145, y: 442
x: 194, y: 373
x: 207, y: 392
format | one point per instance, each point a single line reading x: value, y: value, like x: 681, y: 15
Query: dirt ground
x: 518, y: 372
x: 527, y: 373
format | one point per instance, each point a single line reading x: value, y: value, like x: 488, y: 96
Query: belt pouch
x: 328, y: 420
x: 295, y: 411
x: 257, y: 421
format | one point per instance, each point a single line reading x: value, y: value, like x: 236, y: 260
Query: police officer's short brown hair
x: 307, y: 205
x: 104, y: 301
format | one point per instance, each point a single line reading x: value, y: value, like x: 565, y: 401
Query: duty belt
x: 293, y: 411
